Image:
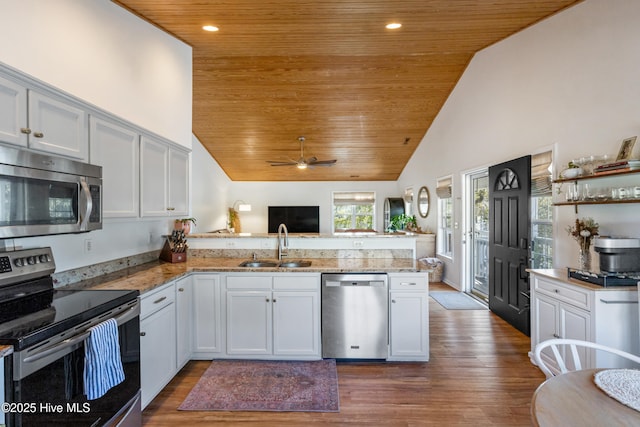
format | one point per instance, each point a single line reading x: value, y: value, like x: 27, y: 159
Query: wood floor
x: 479, y: 374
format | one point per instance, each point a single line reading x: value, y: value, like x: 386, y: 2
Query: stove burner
x: 605, y: 279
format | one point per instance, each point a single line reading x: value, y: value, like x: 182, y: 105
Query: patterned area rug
x: 456, y: 301
x: 237, y: 385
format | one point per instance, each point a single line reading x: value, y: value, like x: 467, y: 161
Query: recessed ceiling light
x: 210, y: 28
x: 393, y: 26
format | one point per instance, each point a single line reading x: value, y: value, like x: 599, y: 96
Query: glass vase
x: 584, y: 260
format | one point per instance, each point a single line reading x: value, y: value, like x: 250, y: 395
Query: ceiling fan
x: 303, y: 163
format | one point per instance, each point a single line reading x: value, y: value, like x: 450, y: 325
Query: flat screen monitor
x: 298, y: 219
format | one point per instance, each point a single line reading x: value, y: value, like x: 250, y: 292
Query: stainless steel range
x: 43, y: 378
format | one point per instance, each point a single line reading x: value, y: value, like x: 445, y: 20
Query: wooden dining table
x: 573, y: 399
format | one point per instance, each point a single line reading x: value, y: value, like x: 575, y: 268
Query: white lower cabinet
x: 273, y: 316
x: 184, y: 320
x: 207, y: 317
x: 408, y: 317
x: 157, y: 341
x: 607, y: 316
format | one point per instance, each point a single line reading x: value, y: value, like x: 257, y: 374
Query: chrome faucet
x: 283, y: 245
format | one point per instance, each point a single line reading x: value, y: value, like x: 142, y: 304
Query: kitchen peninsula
x: 211, y: 307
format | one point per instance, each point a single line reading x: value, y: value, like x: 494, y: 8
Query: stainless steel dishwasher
x: 355, y: 316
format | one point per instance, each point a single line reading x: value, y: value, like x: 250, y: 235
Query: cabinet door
x: 249, y: 315
x: 296, y: 323
x: 116, y: 149
x: 184, y: 320
x: 157, y: 352
x: 178, y: 182
x: 544, y: 325
x: 409, y: 326
x: 207, y: 319
x: 575, y: 324
x: 154, y: 172
x: 13, y: 112
x: 57, y: 127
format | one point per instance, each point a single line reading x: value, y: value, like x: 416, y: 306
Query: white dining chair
x: 571, y: 354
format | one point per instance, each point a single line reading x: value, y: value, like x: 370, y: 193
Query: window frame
x: 445, y: 233
x: 371, y: 201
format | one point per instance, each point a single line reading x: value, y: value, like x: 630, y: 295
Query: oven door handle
x: 88, y: 201
x: 131, y: 313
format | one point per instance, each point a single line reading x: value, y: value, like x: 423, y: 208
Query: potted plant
x: 184, y: 224
x: 401, y: 222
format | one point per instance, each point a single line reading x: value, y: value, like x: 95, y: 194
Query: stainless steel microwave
x: 42, y: 194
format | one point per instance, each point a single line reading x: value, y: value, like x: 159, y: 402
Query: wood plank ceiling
x: 330, y: 71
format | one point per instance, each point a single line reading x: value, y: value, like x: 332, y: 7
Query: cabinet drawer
x: 408, y: 283
x: 292, y: 282
x: 249, y: 282
x: 566, y: 293
x: 153, y: 302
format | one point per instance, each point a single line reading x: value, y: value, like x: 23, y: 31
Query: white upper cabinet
x: 179, y: 182
x: 154, y: 173
x: 116, y: 149
x: 13, y: 112
x: 32, y: 119
x: 57, y: 127
x: 165, y: 179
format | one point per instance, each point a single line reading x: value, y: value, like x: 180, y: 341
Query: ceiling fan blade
x: 322, y: 162
x: 275, y: 163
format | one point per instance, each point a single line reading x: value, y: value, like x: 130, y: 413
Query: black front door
x: 509, y: 236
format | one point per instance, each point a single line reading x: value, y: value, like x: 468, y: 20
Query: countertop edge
x: 562, y: 276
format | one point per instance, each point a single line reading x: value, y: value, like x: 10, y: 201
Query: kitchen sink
x: 258, y: 263
x: 267, y: 263
x: 294, y: 264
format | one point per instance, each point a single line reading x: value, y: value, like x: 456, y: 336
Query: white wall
x: 570, y: 82
x: 102, y: 54
x: 262, y: 194
x: 210, y: 190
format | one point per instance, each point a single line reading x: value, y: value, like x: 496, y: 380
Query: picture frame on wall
x: 626, y: 148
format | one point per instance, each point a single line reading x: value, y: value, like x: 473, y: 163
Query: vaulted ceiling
x: 330, y: 71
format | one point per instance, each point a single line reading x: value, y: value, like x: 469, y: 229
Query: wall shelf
x: 600, y: 176
x: 595, y: 201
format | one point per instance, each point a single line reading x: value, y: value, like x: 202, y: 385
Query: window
x: 354, y: 211
x: 445, y: 217
x: 541, y: 211
x: 542, y: 232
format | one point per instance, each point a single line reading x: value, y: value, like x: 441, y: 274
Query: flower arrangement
x: 584, y: 231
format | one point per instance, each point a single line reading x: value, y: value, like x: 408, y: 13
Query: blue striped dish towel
x: 102, y: 362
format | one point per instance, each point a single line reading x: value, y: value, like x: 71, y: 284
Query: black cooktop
x: 55, y: 311
x: 605, y: 279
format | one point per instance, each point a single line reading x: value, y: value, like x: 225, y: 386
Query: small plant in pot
x: 184, y: 224
x: 402, y: 222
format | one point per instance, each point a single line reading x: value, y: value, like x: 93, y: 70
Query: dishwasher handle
x: 352, y: 283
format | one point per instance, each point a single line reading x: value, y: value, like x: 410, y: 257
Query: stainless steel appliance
x: 355, y: 316
x: 618, y: 254
x: 43, y: 194
x: 47, y: 327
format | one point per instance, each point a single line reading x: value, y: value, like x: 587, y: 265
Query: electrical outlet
x: 358, y: 243
x: 230, y: 244
x: 88, y: 245
x: 266, y: 244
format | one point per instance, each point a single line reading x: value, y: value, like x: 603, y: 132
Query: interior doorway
x: 478, y: 233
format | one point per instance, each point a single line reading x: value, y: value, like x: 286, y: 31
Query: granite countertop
x: 148, y: 276
x: 560, y: 274
x: 363, y: 234
x: 5, y: 350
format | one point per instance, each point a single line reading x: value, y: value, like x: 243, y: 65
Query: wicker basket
x: 436, y: 266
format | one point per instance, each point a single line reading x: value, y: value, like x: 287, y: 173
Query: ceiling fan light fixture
x: 210, y: 28
x: 393, y: 26
x: 301, y: 165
